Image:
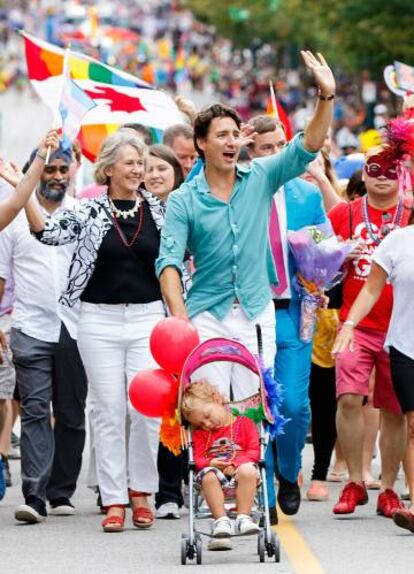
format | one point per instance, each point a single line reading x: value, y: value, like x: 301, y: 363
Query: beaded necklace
x: 385, y: 228
x: 125, y: 213
x: 208, y: 442
x: 129, y: 213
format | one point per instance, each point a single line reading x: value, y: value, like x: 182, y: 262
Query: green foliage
x: 354, y: 34
x: 371, y: 33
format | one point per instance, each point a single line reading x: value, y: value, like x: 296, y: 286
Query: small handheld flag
x: 73, y: 106
x: 276, y: 111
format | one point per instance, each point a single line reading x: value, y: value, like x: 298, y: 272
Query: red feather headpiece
x: 398, y: 138
x: 409, y: 114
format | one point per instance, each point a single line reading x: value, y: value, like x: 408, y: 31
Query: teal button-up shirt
x: 229, y: 241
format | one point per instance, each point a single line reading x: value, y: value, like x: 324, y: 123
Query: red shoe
x: 352, y: 495
x: 388, y: 503
x: 114, y: 522
x: 404, y: 518
x: 142, y: 516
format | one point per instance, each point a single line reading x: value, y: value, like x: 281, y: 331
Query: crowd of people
x: 197, y: 228
x: 164, y: 44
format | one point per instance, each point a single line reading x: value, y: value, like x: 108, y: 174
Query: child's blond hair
x: 196, y: 394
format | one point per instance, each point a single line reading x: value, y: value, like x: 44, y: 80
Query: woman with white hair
x: 113, y: 275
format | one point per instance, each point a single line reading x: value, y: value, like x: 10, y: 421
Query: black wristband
x: 326, y: 98
x: 41, y: 156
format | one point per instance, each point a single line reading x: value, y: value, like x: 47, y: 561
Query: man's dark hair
x: 264, y: 124
x: 141, y: 130
x: 355, y: 186
x: 175, y: 131
x: 206, y: 116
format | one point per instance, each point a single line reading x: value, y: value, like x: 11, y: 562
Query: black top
x: 126, y: 274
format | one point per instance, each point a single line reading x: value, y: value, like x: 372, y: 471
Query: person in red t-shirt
x: 226, y: 453
x: 368, y: 220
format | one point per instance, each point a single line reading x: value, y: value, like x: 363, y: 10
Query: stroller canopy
x: 227, y: 350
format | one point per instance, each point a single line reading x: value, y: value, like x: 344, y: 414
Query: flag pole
x: 273, y: 100
x: 56, y: 113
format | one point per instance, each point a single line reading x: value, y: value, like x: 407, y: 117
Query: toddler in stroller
x: 226, y: 442
x: 226, y: 454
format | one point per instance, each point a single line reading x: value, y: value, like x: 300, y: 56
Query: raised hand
x: 51, y: 140
x: 10, y: 172
x: 246, y: 137
x: 316, y: 169
x: 321, y: 71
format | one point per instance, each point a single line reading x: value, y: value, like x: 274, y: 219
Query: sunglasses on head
x: 51, y: 169
x: 388, y: 170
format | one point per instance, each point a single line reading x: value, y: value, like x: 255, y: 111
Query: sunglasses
x: 51, y: 169
x: 378, y: 170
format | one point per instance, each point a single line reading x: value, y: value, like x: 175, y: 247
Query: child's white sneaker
x: 245, y: 525
x: 222, y: 528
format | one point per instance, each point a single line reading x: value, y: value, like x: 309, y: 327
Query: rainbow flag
x: 73, y: 106
x: 119, y: 97
x: 276, y: 110
x: 91, y: 137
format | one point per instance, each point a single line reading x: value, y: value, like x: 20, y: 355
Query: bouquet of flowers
x: 319, y: 256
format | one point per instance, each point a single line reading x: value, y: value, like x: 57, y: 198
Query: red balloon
x: 171, y: 341
x: 153, y: 391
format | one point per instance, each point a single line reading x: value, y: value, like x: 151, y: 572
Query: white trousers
x: 238, y: 327
x: 113, y: 341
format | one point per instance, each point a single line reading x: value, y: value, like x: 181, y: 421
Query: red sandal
x: 142, y: 516
x: 113, y: 522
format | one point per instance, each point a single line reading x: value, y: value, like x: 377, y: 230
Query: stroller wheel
x: 199, y: 548
x: 261, y: 545
x: 277, y: 552
x: 184, y: 548
x: 274, y: 547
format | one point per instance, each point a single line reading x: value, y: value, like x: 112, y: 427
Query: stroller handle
x: 259, y: 340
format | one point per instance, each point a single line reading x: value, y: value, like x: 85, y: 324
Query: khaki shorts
x: 7, y: 373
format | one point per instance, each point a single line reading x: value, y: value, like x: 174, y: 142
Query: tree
x: 355, y: 34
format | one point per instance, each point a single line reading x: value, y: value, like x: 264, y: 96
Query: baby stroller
x: 221, y: 349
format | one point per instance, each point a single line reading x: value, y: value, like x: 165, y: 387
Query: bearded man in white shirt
x: 43, y: 342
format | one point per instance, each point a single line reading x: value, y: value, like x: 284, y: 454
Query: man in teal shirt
x: 222, y: 218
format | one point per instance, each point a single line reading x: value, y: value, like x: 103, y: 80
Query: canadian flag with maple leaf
x: 120, y: 97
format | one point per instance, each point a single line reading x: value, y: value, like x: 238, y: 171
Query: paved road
x: 313, y: 542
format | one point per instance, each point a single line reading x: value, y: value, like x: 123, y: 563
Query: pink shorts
x: 353, y: 369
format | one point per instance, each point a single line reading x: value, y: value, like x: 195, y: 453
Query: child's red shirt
x: 219, y: 444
